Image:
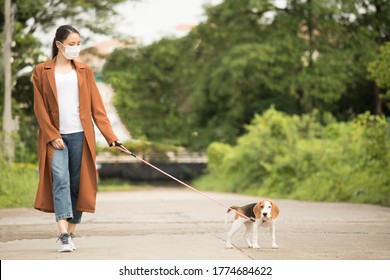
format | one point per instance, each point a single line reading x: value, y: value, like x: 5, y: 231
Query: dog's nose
x: 265, y: 214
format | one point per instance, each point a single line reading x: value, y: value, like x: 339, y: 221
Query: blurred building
x: 95, y: 55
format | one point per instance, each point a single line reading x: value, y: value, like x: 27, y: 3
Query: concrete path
x: 177, y: 223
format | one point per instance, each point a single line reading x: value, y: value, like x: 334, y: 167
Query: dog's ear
x: 257, y: 209
x: 275, y: 210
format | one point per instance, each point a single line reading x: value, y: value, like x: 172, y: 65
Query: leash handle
x: 123, y: 149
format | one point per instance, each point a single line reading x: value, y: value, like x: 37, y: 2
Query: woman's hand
x: 58, y: 144
x: 116, y: 144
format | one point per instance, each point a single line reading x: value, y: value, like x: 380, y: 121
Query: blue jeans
x: 65, y: 167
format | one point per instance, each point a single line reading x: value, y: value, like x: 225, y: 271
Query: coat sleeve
x: 99, y: 114
x: 49, y: 132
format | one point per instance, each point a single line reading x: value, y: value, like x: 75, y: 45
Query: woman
x: 66, y: 99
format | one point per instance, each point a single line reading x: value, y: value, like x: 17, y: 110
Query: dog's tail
x: 228, y: 211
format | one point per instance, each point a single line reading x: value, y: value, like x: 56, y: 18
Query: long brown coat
x: 47, y: 114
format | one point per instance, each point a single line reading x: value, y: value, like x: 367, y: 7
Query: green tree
x: 380, y: 71
x: 149, y: 94
x: 240, y: 72
x: 367, y: 23
x: 302, y: 57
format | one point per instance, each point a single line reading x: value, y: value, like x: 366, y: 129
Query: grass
x: 18, y: 185
x: 19, y: 182
x: 119, y: 185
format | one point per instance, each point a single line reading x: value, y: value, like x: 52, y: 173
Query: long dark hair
x: 61, y: 34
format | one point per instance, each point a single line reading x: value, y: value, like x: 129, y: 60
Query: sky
x: 150, y: 20
x: 147, y: 20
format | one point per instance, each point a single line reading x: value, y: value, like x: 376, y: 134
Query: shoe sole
x: 65, y: 249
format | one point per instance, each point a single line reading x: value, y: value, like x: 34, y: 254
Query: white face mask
x: 71, y: 52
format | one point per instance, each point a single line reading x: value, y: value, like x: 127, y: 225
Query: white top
x: 68, y: 102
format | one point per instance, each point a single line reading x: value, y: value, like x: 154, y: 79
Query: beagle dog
x: 262, y: 214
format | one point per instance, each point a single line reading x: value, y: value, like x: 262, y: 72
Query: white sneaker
x: 65, y: 245
x: 71, y: 237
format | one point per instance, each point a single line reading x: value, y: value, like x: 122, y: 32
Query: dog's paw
x: 274, y: 246
x: 256, y: 246
x: 229, y: 246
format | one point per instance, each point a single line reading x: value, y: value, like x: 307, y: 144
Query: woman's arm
x: 99, y: 114
x: 49, y: 132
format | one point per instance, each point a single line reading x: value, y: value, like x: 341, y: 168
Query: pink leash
x: 123, y: 149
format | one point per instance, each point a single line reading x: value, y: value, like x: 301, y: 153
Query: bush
x: 311, y: 157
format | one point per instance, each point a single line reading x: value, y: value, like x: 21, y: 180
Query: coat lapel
x: 50, y: 68
x: 80, y: 70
